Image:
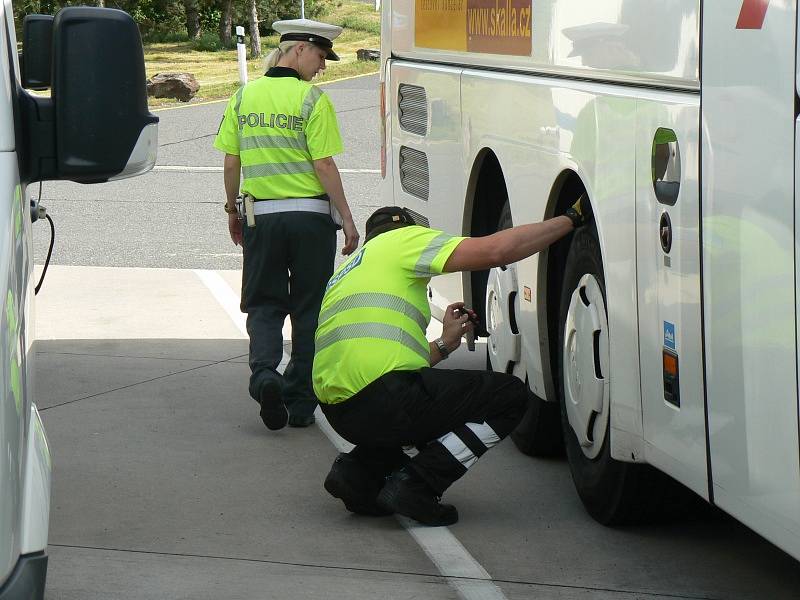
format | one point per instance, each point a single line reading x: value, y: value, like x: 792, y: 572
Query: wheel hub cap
x: 501, y: 308
x: 585, y: 360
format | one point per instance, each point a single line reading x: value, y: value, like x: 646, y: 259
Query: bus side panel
x: 441, y: 146
x: 538, y: 128
x: 749, y: 237
x: 636, y: 41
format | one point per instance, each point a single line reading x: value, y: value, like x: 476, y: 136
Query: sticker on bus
x: 487, y: 26
x: 669, y: 335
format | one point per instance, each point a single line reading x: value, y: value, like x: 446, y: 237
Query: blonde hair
x: 278, y: 53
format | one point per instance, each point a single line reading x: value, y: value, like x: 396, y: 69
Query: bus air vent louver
x: 413, y: 109
x: 414, y: 172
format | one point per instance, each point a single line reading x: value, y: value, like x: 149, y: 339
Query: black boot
x: 407, y: 494
x: 273, y: 410
x: 349, y: 481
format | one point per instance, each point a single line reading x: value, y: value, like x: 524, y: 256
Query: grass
x: 218, y: 72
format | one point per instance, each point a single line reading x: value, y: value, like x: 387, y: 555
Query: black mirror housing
x: 104, y: 129
x: 95, y: 126
x: 36, y: 58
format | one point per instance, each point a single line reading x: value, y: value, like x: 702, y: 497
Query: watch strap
x: 442, y: 348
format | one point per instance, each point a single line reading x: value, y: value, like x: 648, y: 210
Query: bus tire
x: 539, y: 432
x: 613, y: 492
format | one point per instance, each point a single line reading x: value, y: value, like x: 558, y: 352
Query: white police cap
x: 306, y: 30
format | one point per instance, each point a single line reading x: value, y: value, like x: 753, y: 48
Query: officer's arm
x: 232, y: 168
x: 507, y: 246
x: 329, y: 177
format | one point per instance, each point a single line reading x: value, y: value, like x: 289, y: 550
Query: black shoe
x: 301, y: 420
x: 351, y: 483
x: 273, y: 411
x: 407, y: 494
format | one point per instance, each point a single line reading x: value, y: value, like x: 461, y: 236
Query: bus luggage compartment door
x: 668, y: 265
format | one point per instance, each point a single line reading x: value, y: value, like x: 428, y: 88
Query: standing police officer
x: 372, y: 365
x: 281, y: 133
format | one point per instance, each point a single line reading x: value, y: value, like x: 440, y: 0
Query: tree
x: 225, y: 22
x: 192, y: 8
x: 255, y: 37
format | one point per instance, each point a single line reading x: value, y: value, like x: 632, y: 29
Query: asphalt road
x: 167, y: 486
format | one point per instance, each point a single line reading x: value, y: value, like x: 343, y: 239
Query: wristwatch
x: 442, y: 348
x: 229, y: 210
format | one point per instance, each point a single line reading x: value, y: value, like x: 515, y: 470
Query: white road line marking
x: 226, y: 297
x: 229, y: 301
x: 186, y: 169
x: 465, y: 574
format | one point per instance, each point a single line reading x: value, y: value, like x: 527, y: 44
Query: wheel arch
x: 566, y: 189
x: 486, y: 194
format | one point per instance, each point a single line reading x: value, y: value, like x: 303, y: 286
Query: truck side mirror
x: 36, y: 58
x: 103, y: 127
x: 96, y: 125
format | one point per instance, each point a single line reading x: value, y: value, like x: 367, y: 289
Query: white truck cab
x: 94, y: 127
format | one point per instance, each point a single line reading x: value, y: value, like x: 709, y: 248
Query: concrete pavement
x: 167, y: 485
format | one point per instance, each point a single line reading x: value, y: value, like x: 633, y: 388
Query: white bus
x: 663, y: 339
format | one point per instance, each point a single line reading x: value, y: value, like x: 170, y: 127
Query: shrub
x: 208, y: 42
x: 163, y: 37
x: 361, y: 23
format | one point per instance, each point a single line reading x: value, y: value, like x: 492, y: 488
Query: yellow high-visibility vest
x: 278, y: 126
x: 375, y: 311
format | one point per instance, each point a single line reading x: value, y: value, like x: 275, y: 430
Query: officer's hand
x: 350, y: 237
x: 580, y: 213
x: 457, y: 321
x: 235, y: 229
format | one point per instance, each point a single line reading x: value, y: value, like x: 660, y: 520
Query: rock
x: 365, y: 54
x: 182, y: 86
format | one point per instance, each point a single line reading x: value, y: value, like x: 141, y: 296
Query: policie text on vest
x: 279, y: 121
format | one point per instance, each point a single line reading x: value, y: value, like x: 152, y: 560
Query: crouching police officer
x: 281, y: 133
x: 372, y: 364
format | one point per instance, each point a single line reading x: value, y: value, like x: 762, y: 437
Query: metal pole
x: 241, y: 54
x: 377, y: 4
x: 302, y: 9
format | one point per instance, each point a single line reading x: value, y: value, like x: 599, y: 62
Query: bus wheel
x: 539, y: 432
x: 503, y: 343
x: 612, y: 491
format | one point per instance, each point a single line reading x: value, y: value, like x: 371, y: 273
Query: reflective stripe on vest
x: 272, y: 141
x: 423, y: 266
x: 239, y: 94
x: 382, y: 331
x: 376, y: 300
x: 267, y: 169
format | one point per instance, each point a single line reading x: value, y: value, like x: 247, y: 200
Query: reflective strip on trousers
x: 381, y: 331
x: 467, y: 444
x: 423, y: 266
x: 376, y: 300
x: 267, y: 169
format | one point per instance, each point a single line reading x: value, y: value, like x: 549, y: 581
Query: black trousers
x: 451, y: 416
x: 288, y: 259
